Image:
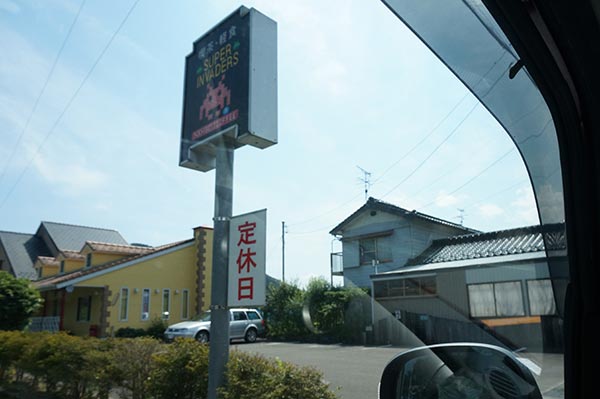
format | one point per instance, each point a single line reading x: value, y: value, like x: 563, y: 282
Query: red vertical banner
x: 247, y: 258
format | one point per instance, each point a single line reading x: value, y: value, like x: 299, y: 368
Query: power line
x: 42, y: 91
x: 474, y: 177
x: 415, y: 170
x: 70, y: 102
x: 456, y: 128
x: 423, y: 139
x: 324, y: 213
x: 414, y: 147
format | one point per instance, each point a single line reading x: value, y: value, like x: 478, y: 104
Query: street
x: 355, y: 370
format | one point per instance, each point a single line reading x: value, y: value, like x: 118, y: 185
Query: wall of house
x: 410, y: 237
x: 100, y: 258
x: 48, y: 271
x: 175, y: 271
x: 70, y: 322
x: 73, y: 264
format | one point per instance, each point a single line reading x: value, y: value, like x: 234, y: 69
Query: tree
x: 18, y: 301
x: 283, y: 312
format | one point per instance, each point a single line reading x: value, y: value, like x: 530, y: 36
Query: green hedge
x: 43, y: 365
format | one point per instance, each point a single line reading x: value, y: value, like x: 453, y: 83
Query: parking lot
x: 355, y: 370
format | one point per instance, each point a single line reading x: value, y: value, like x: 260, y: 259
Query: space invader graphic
x: 216, y: 100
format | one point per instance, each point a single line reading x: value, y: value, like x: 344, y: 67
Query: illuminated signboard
x: 247, y: 259
x: 230, y: 88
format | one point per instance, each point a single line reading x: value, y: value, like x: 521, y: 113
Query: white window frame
x: 144, y: 290
x: 185, y: 293
x: 88, y: 260
x: 121, y: 318
x: 162, y: 308
x: 61, y: 268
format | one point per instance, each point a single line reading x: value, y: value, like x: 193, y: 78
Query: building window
x: 166, y: 303
x: 146, y: 304
x: 124, y: 304
x: 541, y: 297
x: 39, y: 272
x: 88, y: 260
x: 185, y: 304
x: 84, y: 308
x: 62, y: 266
x: 378, y: 249
x: 496, y: 299
x: 405, y: 287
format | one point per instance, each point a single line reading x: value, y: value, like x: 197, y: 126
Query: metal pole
x: 219, y: 325
x: 283, y: 252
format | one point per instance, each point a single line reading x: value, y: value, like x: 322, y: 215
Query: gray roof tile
x: 72, y: 237
x: 22, y: 250
x: 495, y: 243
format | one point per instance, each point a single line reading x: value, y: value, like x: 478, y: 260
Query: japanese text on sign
x: 247, y: 278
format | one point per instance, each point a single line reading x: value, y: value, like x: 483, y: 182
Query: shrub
x: 180, y: 371
x: 157, y: 328
x: 132, y: 363
x: 253, y: 376
x: 129, y: 332
x: 12, y: 347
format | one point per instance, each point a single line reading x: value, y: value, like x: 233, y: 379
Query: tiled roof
x: 72, y: 237
x: 22, y: 250
x: 496, y: 243
x: 374, y: 204
x: 72, y: 255
x: 117, y: 248
x: 48, y: 261
x: 54, y: 280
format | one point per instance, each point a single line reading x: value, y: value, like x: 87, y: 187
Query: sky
x: 91, y: 100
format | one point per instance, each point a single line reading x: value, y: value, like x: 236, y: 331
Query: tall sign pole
x: 219, y: 337
x: 230, y: 100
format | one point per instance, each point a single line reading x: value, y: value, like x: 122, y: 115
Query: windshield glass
x: 413, y: 195
x: 203, y: 317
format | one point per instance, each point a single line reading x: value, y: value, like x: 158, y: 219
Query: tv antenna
x: 366, y: 180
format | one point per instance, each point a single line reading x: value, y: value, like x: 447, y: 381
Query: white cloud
x: 524, y: 208
x: 69, y: 176
x: 444, y: 200
x: 490, y: 210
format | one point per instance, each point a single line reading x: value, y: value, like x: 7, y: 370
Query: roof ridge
x: 118, y: 245
x: 16, y: 232
x: 421, y: 214
x: 79, y: 225
x: 536, y: 228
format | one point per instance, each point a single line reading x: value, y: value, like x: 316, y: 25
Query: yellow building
x: 106, y: 286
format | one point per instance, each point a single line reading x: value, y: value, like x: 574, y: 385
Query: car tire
x: 202, y: 337
x: 251, y: 335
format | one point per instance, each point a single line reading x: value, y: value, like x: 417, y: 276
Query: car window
x: 239, y: 316
x: 253, y: 316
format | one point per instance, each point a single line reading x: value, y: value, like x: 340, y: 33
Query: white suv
x: 243, y: 323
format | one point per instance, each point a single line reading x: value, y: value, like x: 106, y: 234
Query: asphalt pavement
x: 354, y: 371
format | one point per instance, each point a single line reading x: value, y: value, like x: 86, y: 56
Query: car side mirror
x: 453, y: 371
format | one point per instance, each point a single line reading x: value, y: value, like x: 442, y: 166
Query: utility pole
x: 283, y: 252
x: 366, y: 179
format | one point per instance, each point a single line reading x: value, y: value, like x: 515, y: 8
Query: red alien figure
x: 216, y: 99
